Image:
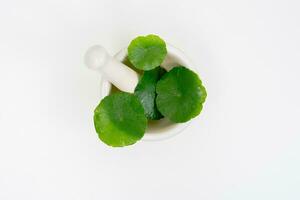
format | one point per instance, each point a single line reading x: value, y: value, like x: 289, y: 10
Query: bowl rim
x: 177, y: 127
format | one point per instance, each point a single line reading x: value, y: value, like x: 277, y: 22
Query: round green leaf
x: 119, y: 119
x: 145, y: 91
x: 147, y: 52
x: 180, y: 94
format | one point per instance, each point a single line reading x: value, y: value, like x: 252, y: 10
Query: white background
x: 245, y: 144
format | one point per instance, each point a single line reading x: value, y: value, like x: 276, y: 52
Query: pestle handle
x: 120, y: 75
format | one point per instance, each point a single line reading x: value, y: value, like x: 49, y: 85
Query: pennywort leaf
x: 180, y: 94
x: 147, y: 52
x: 146, y: 92
x: 120, y: 120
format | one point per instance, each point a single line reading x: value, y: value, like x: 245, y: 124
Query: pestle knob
x: 120, y: 75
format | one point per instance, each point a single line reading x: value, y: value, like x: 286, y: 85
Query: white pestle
x: 120, y: 75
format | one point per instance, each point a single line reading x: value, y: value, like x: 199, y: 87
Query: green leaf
x: 145, y: 91
x: 180, y: 94
x: 119, y: 119
x: 147, y: 52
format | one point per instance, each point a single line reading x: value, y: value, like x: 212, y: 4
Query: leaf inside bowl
x: 147, y: 52
x: 146, y: 92
x: 180, y: 94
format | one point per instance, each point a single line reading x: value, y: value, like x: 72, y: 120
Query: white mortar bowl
x: 158, y: 129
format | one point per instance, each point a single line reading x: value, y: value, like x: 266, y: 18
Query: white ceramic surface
x: 161, y: 129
